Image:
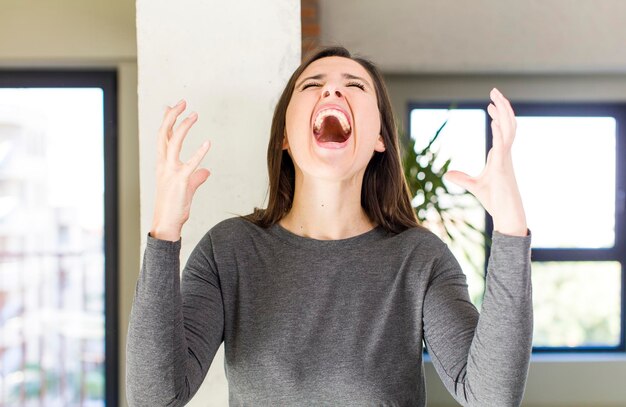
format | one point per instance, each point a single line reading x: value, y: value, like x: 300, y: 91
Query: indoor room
x: 113, y: 113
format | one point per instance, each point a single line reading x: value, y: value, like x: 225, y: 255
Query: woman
x: 325, y: 296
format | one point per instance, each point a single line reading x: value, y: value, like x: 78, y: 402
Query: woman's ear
x: 285, y: 142
x: 380, y: 144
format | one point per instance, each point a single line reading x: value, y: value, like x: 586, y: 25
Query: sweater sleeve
x: 175, y: 326
x: 482, y: 359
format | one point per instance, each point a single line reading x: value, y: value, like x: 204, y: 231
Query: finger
x: 176, y: 141
x: 495, y: 108
x: 506, y: 103
x: 510, y: 114
x: 499, y: 102
x: 164, y: 131
x: 506, y: 107
x: 493, y: 111
x: 170, y: 116
x: 161, y: 147
x: 195, y: 160
x: 197, y: 178
x: 169, y: 109
x: 496, y: 133
x: 461, y: 179
x: 503, y: 115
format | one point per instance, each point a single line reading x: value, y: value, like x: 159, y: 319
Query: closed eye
x: 311, y: 84
x: 356, y: 84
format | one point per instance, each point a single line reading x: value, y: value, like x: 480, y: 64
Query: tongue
x: 331, y: 131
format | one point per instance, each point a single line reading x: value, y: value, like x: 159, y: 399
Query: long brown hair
x: 385, y: 195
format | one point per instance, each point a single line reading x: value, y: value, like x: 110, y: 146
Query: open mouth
x: 331, y: 126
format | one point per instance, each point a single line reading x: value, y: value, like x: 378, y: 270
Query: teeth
x: 343, y: 120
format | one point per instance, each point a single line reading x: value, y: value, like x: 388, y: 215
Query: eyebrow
x: 322, y: 76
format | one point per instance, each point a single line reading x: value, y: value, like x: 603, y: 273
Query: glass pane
x: 576, y: 303
x: 51, y: 245
x: 463, y: 141
x: 565, y: 168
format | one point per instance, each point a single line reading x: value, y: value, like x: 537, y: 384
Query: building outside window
x: 569, y: 161
x: 57, y: 233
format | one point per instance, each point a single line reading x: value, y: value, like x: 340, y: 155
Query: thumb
x: 197, y: 178
x: 460, y: 178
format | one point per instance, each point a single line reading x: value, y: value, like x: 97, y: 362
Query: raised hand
x: 496, y: 187
x: 176, y: 181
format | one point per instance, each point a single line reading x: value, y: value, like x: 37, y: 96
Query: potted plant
x: 434, y: 203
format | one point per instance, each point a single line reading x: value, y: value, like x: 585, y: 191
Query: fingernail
x: 205, y: 144
x: 180, y: 102
x: 193, y: 115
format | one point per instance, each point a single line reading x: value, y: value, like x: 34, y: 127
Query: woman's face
x: 332, y: 122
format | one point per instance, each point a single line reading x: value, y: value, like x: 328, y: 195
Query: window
x: 58, y: 257
x: 569, y: 161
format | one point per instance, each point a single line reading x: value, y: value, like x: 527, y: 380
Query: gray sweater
x: 309, y: 322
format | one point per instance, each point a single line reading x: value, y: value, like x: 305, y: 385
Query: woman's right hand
x: 177, y: 181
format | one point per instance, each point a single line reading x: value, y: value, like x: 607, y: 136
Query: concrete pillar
x: 230, y: 61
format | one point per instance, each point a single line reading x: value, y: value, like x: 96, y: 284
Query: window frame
x: 107, y: 81
x: 618, y: 252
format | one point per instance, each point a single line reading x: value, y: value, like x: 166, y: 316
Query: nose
x: 327, y: 93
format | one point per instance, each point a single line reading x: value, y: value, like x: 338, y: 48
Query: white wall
x: 410, y: 36
x: 571, y: 87
x: 230, y: 61
x: 548, y: 50
x: 89, y: 34
x: 67, y: 32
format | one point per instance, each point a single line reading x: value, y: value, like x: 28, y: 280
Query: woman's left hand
x: 496, y: 187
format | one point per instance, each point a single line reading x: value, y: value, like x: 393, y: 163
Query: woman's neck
x: 327, y: 210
